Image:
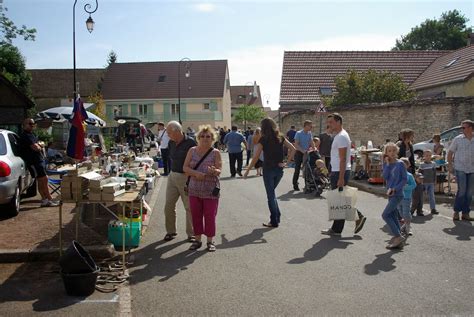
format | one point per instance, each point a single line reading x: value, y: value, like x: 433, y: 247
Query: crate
x: 115, y: 233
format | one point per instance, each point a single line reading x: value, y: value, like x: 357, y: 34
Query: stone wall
x: 378, y: 122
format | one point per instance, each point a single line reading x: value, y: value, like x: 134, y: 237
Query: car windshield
x: 3, y: 145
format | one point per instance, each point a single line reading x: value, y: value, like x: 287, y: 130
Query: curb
x: 33, y: 255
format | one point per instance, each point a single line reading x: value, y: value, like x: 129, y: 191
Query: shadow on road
x: 321, y: 248
x: 254, y: 237
x: 154, y: 264
x: 463, y: 230
x: 421, y: 219
x: 298, y: 195
x: 382, y: 263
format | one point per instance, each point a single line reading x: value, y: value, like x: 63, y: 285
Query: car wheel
x: 13, y: 208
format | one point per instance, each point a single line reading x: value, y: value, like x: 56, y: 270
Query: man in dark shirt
x: 32, y: 152
x: 290, y: 135
x: 325, y: 147
x: 178, y: 146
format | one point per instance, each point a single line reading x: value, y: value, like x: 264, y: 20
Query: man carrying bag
x: 340, y: 169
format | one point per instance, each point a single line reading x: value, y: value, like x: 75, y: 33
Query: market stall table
x: 128, y: 197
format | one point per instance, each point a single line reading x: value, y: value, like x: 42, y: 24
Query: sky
x: 251, y: 35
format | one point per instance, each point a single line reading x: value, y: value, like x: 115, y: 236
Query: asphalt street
x: 294, y: 270
x: 290, y: 270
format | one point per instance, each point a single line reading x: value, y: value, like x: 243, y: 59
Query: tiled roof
x: 237, y: 91
x: 141, y: 80
x: 460, y: 69
x: 304, y: 73
x: 58, y: 83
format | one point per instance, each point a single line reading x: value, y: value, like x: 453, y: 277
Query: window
x: 451, y: 62
x: 3, y: 145
x: 14, y: 143
x: 117, y: 110
x: 242, y: 97
x: 142, y: 110
x: 162, y: 78
x: 206, y: 106
x: 174, y: 109
x: 325, y: 91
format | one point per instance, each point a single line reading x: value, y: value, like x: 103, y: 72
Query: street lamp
x: 187, y: 66
x: 266, y: 97
x: 90, y: 28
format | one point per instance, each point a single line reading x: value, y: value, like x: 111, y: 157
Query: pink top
x: 203, y: 188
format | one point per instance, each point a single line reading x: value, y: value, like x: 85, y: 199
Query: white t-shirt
x: 163, y: 138
x: 341, y: 140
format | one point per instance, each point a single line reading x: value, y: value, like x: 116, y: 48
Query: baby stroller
x: 314, y: 179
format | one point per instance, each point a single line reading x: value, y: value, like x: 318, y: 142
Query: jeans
x: 338, y: 225
x: 165, y: 157
x: 404, y: 209
x: 390, y: 214
x: 298, y: 161
x: 233, y: 157
x: 429, y: 188
x: 271, y: 178
x: 463, y: 200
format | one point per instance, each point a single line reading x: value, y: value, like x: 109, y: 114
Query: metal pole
x: 179, y: 92
x: 320, y: 122
x: 74, y: 48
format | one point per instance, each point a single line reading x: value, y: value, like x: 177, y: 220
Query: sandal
x: 170, y: 236
x: 269, y: 225
x: 195, y: 245
x: 211, y: 247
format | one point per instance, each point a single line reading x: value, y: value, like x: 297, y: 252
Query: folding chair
x: 54, y: 185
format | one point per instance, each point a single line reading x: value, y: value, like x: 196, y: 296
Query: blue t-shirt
x: 234, y: 140
x: 304, y: 139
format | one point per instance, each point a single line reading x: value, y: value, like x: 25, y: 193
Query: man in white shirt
x: 341, y: 169
x: 461, y: 163
x: 163, y: 140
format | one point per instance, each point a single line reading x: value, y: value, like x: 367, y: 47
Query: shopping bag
x: 341, y: 204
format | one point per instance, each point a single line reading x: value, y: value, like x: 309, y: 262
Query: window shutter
x: 213, y: 106
x: 125, y: 110
x: 134, y: 110
x: 109, y: 112
x: 166, y: 112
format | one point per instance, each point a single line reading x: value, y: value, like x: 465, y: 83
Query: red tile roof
x: 304, y: 73
x: 237, y: 91
x: 140, y: 80
x: 58, y: 83
x: 439, y: 73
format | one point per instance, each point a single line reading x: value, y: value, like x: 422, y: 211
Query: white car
x: 15, y: 179
x: 446, y: 138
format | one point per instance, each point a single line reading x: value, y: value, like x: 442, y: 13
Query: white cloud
x: 264, y: 64
x: 204, y: 7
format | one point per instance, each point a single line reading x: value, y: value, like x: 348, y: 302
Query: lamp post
x: 187, y: 66
x: 90, y: 28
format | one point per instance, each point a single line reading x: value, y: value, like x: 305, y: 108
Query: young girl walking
x: 394, y: 173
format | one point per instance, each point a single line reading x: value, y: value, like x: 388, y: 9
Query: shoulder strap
x: 199, y: 163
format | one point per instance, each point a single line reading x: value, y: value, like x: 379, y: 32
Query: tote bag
x: 341, y: 204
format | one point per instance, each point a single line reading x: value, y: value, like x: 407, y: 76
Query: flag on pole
x: 76, y: 144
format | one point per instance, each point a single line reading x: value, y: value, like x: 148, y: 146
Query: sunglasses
x: 204, y: 136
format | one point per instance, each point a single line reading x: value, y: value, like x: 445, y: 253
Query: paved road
x: 296, y: 270
x: 292, y: 270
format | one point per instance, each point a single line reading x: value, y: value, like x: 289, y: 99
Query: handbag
x: 195, y: 167
x: 341, y: 203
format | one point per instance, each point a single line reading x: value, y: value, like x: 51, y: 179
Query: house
x: 149, y: 91
x: 244, y: 95
x: 54, y: 87
x: 307, y: 76
x: 14, y: 105
x: 450, y: 75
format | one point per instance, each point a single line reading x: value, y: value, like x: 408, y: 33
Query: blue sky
x: 252, y: 35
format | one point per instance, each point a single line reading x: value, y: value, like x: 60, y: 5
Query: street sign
x: 321, y: 108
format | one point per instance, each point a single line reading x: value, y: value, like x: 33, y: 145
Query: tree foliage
x: 13, y: 67
x: 370, y: 86
x: 111, y: 58
x: 99, y: 109
x: 10, y: 31
x: 447, y: 33
x: 249, y: 114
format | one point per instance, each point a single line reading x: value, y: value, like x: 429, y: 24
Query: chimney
x: 470, y: 39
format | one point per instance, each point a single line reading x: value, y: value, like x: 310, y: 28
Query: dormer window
x: 325, y: 91
x: 162, y: 78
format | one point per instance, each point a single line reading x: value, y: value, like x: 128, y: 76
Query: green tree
x: 370, y: 86
x: 99, y: 109
x: 13, y: 67
x: 447, y: 33
x: 10, y: 31
x: 249, y: 114
x: 111, y: 58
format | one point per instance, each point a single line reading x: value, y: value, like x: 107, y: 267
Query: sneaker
x: 330, y: 232
x: 397, y: 243
x: 420, y: 214
x: 434, y: 212
x: 239, y: 173
x: 359, y: 224
x: 296, y: 188
x: 466, y: 217
x: 455, y: 216
x: 49, y: 203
